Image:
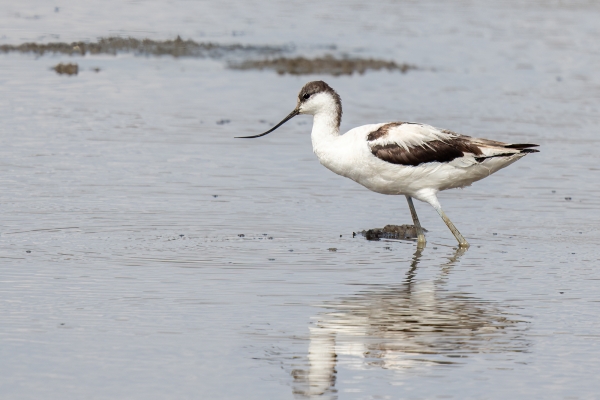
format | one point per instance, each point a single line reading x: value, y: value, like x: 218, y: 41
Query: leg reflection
x: 416, y: 324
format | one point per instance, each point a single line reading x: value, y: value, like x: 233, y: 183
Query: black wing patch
x: 433, y: 151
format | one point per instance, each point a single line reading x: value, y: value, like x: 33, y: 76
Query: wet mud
x: 66, y: 69
x: 327, y: 64
x: 398, y: 232
x: 300, y: 65
x: 147, y: 47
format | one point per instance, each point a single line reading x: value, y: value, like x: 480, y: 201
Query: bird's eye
x: 306, y: 96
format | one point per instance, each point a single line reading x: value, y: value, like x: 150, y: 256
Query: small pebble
x: 181, y: 235
x: 241, y: 235
x: 561, y: 292
x: 215, y: 195
x: 290, y: 250
x: 28, y: 251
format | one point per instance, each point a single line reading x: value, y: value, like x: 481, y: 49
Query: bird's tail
x: 515, y: 149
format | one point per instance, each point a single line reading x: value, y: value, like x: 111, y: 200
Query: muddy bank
x: 176, y: 48
x: 272, y: 56
x: 327, y: 64
x: 390, y: 232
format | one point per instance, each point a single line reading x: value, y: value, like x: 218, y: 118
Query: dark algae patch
x: 67, y: 69
x: 327, y: 64
x: 114, y: 45
x: 391, y: 232
x: 257, y: 57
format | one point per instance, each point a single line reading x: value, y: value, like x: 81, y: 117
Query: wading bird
x: 402, y: 158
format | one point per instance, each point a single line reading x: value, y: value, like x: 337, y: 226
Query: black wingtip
x: 520, y: 146
x: 529, y: 151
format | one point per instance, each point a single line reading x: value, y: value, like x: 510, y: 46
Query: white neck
x: 324, y: 132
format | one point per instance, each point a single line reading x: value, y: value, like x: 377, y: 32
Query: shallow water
x: 146, y: 254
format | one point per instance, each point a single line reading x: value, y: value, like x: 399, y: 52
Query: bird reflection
x: 416, y: 324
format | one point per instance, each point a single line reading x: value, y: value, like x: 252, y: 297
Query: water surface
x: 147, y: 254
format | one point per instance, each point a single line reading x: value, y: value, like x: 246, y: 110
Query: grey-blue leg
x: 438, y: 207
x: 420, y: 236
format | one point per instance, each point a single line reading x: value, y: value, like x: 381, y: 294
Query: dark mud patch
x: 66, y: 69
x: 398, y: 232
x: 327, y: 64
x: 176, y: 48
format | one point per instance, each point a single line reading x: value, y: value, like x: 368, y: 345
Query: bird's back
x: 404, y: 157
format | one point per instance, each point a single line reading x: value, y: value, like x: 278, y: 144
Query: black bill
x: 286, y: 119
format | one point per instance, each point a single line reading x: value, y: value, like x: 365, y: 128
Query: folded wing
x: 413, y: 144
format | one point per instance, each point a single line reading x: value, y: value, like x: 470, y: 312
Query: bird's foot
x: 421, y: 241
x: 464, y: 245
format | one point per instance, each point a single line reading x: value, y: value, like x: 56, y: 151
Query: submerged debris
x: 392, y: 232
x: 327, y: 64
x: 68, y: 69
x: 114, y: 45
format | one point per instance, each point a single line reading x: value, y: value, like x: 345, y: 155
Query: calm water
x: 145, y: 254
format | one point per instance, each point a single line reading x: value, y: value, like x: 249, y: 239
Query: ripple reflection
x: 416, y: 324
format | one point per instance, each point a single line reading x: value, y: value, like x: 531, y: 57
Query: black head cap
x: 315, y: 87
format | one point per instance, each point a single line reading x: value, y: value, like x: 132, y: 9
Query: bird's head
x: 316, y: 97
